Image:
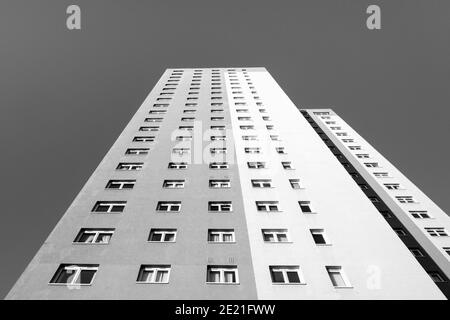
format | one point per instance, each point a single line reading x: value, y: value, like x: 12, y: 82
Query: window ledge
x: 289, y: 283
x: 142, y: 282
x: 221, y: 242
x: 70, y: 285
x: 223, y: 283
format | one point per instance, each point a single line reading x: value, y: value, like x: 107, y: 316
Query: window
x: 162, y: 235
x: 400, y: 231
x: 169, y: 206
x: 173, y: 184
x: 362, y: 156
x: 225, y: 183
x: 437, y: 232
x: 348, y: 140
x: 130, y: 166
x: 275, y: 138
x: 157, y: 111
x: 153, y: 119
x: 137, y: 151
x: 341, y: 134
x: 319, y: 236
x: 244, y: 118
x: 295, y: 183
x: 247, y: 127
x: 262, y: 110
x: 420, y: 214
x: 94, y: 236
x: 416, y: 252
x: 250, y: 138
x: 177, y: 165
x: 218, y: 150
x: 354, y: 147
x: 381, y: 174
x: 221, y: 235
x: 154, y: 274
x: 275, y: 235
x: 241, y: 110
x: 149, y: 128
x: 256, y: 165
x: 436, y: 276
x: 189, y: 111
x: 216, y: 110
x: 217, y: 127
x: 218, y: 138
x: 222, y: 274
x: 447, y: 250
x: 267, y: 206
x: 287, y: 165
x: 374, y: 199
x: 162, y: 105
x: 109, y: 206
x: 183, y: 138
x: 181, y: 151
x: 305, y: 206
x: 371, y: 164
x: 220, y: 206
x: 261, y: 183
x: 187, y: 128
x: 280, y: 150
x: 337, y: 277
x: 187, y: 119
x: 218, y: 165
x: 217, y: 118
x: 252, y: 150
x: 120, y: 184
x: 75, y: 274
x: 405, y: 199
x: 392, y: 186
x: 286, y: 275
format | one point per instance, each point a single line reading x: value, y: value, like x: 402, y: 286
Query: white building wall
x: 375, y: 261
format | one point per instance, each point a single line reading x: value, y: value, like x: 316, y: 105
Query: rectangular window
x: 218, y: 150
x: 354, y: 147
x: 169, y: 206
x: 416, y: 252
x: 94, y: 235
x: 218, y: 165
x: 250, y: 138
x: 189, y: 111
x: 275, y: 138
x: 173, y: 184
x: 286, y: 275
x: 437, y: 232
x: 252, y: 150
x: 217, y: 127
x: 287, y: 165
x: 217, y: 118
x: 280, y: 150
x: 341, y: 134
x: 319, y: 236
x: 362, y: 156
x: 436, y: 276
x: 120, y: 184
x: 348, y: 140
x: 244, y: 118
x: 337, y: 277
x: 218, y: 138
x: 75, y: 274
x: 154, y: 274
x: 162, y: 235
x: 256, y: 165
x: 420, y: 214
x: 149, y: 128
x: 130, y: 166
x: 137, y: 151
x: 267, y: 206
x: 392, y: 186
x: 187, y: 119
x: 217, y: 183
x: 162, y: 105
x: 157, y: 112
x: 275, y: 235
x: 371, y: 164
x: 187, y: 128
x: 247, y: 127
x: 381, y: 174
x: 405, y: 199
x: 400, y: 231
x: 261, y: 183
x: 241, y: 110
x: 222, y: 274
x: 220, y: 206
x: 305, y: 206
x: 216, y: 110
x: 109, y: 206
x: 295, y: 183
x: 447, y: 250
x: 177, y: 165
x: 221, y: 235
x: 153, y: 119
x: 181, y: 151
x: 183, y: 138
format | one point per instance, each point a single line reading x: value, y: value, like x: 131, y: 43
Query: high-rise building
x: 221, y: 188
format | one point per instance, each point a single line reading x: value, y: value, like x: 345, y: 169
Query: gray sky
x: 65, y: 96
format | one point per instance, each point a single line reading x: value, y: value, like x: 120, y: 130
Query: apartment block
x: 221, y: 188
